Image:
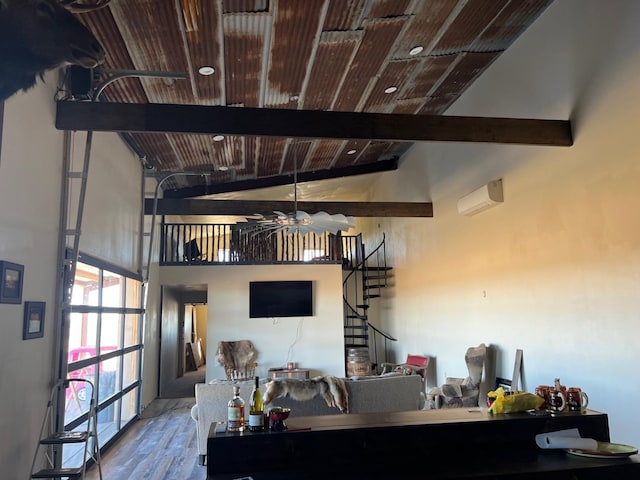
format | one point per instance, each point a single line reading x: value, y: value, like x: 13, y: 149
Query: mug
x: 557, y: 400
x: 543, y: 392
x: 577, y: 400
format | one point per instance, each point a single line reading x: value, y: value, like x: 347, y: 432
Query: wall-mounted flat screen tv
x: 286, y: 298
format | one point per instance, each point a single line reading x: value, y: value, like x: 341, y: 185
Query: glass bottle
x: 256, y: 408
x: 235, y: 412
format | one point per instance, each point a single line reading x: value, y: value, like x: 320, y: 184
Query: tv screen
x: 281, y: 299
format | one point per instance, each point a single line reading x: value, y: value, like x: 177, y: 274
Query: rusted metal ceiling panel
x: 246, y: 6
x: 103, y: 25
x: 377, y: 42
x: 435, y: 105
x: 202, y: 26
x: 159, y: 151
x: 396, y: 74
x: 428, y: 77
x: 511, y: 22
x: 163, y: 51
x: 193, y: 150
x: 344, y: 158
x: 323, y: 154
x: 243, y: 57
x: 388, y: 8
x: 296, y: 152
x: 248, y: 157
x: 344, y: 15
x: 375, y: 151
x: 332, y: 58
x: 425, y: 25
x: 468, y: 25
x: 269, y: 158
x: 468, y: 66
x: 292, y: 41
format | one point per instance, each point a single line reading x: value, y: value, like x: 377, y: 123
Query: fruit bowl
x: 277, y: 416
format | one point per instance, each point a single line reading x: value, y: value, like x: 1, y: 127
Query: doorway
x: 183, y: 340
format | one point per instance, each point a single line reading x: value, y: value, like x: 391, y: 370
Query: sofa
x: 392, y: 392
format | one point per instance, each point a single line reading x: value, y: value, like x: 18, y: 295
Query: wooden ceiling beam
x: 267, y: 207
x: 270, y: 122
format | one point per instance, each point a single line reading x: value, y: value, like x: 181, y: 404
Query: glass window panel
x: 77, y: 397
x: 112, y: 289
x: 130, y: 368
x: 82, y: 335
x: 109, y: 382
x: 133, y: 293
x: 108, y: 422
x: 129, y: 407
x: 132, y: 329
x: 111, y: 332
x: 86, y: 285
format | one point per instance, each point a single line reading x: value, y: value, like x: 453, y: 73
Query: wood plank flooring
x: 161, y: 445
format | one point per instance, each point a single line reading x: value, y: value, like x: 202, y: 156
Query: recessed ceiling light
x: 416, y: 50
x: 206, y: 70
x: 223, y: 168
x: 390, y: 89
x: 351, y: 152
x: 218, y: 138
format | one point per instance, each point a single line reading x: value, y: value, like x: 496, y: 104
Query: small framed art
x: 33, y: 326
x: 11, y: 282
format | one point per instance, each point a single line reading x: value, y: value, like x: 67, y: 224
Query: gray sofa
x: 369, y: 394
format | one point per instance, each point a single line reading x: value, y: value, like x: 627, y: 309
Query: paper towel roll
x: 565, y: 439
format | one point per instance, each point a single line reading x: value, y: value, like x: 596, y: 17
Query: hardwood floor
x: 161, y: 445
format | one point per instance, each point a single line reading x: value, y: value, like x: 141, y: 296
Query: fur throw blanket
x: 332, y: 389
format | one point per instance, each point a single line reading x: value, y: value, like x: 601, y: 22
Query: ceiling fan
x: 298, y: 221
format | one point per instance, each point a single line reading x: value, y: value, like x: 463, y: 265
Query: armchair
x: 465, y: 392
x: 237, y: 358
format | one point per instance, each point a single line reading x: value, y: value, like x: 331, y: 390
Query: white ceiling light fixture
x: 416, y: 50
x: 390, y: 89
x: 351, y: 152
x: 218, y: 138
x: 299, y: 221
x: 206, y: 70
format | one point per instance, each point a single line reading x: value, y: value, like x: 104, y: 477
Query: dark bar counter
x: 442, y: 444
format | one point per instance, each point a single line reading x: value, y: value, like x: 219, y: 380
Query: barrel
x: 358, y: 363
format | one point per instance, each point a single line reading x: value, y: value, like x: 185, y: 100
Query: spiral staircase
x: 366, y: 275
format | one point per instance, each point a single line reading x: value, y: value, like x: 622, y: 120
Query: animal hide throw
x: 236, y: 355
x: 332, y: 389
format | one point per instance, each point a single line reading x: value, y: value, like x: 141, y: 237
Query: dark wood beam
x: 275, y: 181
x: 267, y: 207
x: 162, y: 118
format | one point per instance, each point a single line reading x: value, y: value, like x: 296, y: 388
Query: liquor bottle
x: 235, y: 412
x: 256, y: 409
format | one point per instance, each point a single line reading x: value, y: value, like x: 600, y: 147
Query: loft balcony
x: 237, y: 244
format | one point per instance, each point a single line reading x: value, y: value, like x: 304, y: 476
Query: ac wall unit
x: 484, y: 197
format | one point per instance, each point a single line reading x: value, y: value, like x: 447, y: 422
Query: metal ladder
x: 77, y: 390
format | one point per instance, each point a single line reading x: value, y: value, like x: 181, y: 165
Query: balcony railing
x: 208, y: 244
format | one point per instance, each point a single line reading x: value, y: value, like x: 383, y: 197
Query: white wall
x: 31, y: 165
x: 554, y: 270
x: 311, y: 342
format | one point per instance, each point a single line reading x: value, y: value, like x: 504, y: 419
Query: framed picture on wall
x: 33, y: 325
x: 11, y: 282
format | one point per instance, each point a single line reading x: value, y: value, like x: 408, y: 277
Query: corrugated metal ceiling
x: 296, y: 54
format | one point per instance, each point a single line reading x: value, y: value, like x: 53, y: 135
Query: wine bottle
x: 256, y: 409
x: 235, y: 412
